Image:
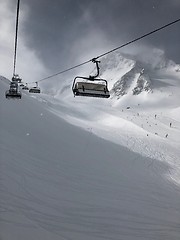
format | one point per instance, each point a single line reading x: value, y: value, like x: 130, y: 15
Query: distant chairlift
x: 35, y: 89
x: 25, y: 87
x: 89, y: 88
x: 16, y: 78
x: 21, y: 85
x: 13, y: 91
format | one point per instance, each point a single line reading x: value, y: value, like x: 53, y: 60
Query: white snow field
x: 76, y: 169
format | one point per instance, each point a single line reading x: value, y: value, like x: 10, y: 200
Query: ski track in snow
x: 60, y: 182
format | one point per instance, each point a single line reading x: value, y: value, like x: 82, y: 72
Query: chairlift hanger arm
x: 16, y: 37
x: 97, y: 67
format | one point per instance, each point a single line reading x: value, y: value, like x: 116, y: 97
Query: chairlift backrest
x: 90, y: 86
x: 90, y: 89
x: 34, y: 90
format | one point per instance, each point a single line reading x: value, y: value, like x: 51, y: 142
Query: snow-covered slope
x: 138, y: 115
x: 59, y: 181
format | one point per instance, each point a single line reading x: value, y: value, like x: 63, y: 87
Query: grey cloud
x: 54, y: 28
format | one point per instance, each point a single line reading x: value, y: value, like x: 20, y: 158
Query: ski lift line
x: 16, y: 37
x: 71, y: 68
x: 112, y: 50
x: 139, y: 38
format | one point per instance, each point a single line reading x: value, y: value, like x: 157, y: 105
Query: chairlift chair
x: 35, y: 89
x: 13, y: 91
x: 89, y: 89
x: 16, y: 78
x: 14, y: 84
x: 91, y: 86
x: 25, y: 87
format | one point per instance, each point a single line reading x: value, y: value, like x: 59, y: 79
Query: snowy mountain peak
x: 133, y: 75
x: 133, y: 82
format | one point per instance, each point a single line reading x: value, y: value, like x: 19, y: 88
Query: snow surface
x: 75, y: 169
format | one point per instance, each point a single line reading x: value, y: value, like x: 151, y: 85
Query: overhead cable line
x: 16, y: 36
x: 139, y: 38
x: 71, y: 68
x: 113, y: 50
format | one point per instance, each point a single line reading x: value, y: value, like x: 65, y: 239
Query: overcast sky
x: 57, y: 34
